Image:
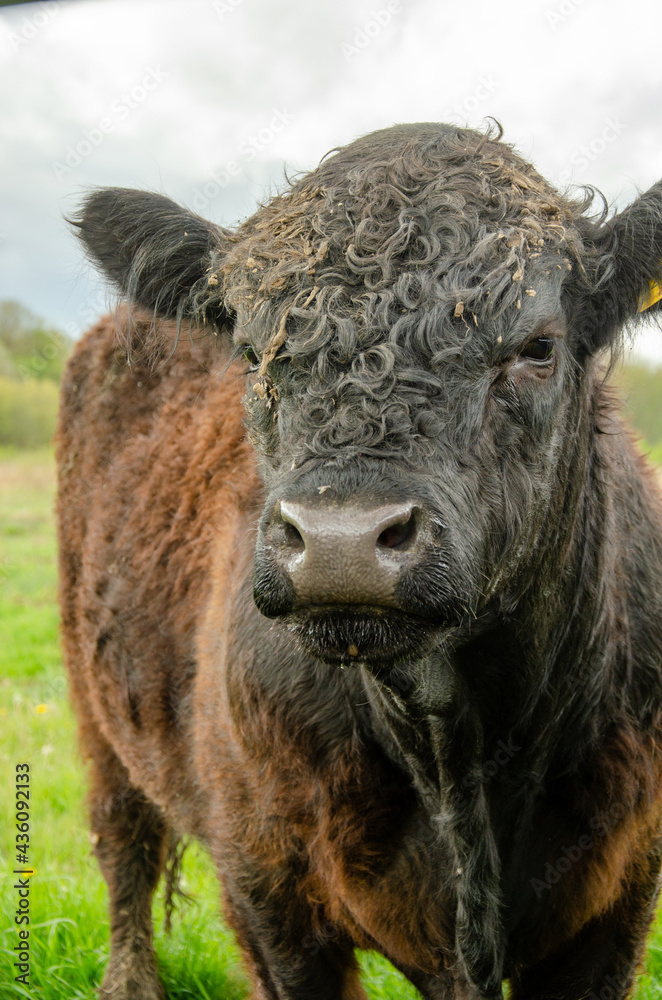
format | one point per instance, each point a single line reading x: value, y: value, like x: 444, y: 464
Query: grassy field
x: 69, y: 922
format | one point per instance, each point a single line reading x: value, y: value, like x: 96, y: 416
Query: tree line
x: 32, y: 359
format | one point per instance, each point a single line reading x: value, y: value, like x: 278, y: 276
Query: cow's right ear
x: 157, y: 253
x: 624, y: 265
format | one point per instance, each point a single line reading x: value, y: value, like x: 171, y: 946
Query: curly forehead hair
x: 399, y: 251
x: 419, y: 217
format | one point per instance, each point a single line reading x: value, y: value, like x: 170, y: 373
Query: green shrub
x: 29, y: 348
x: 640, y: 386
x: 28, y: 411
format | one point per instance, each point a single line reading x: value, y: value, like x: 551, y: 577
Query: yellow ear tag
x: 653, y: 295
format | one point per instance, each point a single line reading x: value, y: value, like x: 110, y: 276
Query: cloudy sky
x: 209, y: 101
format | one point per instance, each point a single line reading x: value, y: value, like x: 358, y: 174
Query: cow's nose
x: 340, y: 554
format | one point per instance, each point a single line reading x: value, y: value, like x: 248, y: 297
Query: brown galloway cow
x: 388, y: 638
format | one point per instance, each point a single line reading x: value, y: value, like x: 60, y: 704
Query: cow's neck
x: 530, y: 672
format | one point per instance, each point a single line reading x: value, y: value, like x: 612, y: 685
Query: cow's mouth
x: 342, y: 634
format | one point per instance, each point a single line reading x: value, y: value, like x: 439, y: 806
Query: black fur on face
x: 427, y: 333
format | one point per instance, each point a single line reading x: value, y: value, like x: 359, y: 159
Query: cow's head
x: 419, y: 317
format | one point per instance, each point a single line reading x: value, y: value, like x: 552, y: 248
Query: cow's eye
x: 251, y: 356
x: 540, y: 349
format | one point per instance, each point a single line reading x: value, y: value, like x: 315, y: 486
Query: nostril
x: 397, y: 536
x: 293, y: 538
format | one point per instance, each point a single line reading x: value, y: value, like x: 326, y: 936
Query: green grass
x: 69, y: 921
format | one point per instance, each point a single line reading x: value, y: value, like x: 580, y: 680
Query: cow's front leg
x: 287, y: 957
x: 130, y: 838
x: 442, y: 987
x: 600, y: 961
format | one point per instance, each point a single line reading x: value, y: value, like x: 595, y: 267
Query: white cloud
x: 554, y: 72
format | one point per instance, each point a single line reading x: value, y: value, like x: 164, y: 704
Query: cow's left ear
x: 624, y: 269
x: 158, y: 254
